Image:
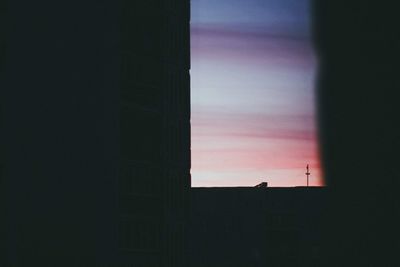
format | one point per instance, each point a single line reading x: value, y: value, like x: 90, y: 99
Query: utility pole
x: 307, y: 173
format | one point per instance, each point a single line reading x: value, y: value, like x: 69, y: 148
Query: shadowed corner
x: 357, y: 86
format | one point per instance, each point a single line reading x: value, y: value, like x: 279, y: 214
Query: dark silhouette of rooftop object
x: 307, y: 173
x: 262, y: 185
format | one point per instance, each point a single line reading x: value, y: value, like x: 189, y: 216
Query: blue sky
x: 281, y: 16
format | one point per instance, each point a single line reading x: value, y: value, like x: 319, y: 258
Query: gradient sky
x: 252, y: 84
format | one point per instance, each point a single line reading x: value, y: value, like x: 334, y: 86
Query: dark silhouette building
x: 155, y: 129
x: 256, y: 226
x: 95, y: 132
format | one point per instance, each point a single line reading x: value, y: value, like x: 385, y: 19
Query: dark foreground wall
x: 358, y: 84
x: 93, y: 94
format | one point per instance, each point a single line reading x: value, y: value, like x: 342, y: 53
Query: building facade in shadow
x: 95, y: 132
x: 154, y: 130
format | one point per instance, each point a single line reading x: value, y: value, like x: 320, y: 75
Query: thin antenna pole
x: 307, y: 173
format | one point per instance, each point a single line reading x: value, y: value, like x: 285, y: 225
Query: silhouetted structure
x: 253, y: 226
x: 155, y: 130
x: 262, y: 185
x: 95, y: 128
x: 307, y: 173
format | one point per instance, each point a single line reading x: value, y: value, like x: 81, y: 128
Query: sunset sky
x: 252, y: 93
